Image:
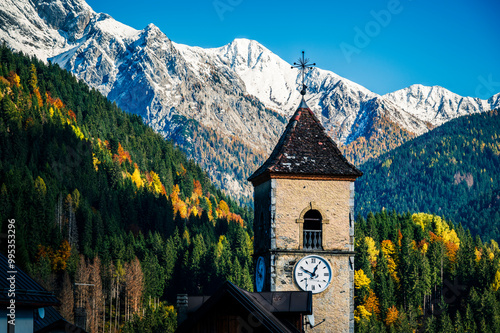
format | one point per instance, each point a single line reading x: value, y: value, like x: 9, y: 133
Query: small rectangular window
x: 312, y: 229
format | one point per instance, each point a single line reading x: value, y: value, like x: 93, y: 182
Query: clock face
x: 313, y: 273
x: 260, y: 274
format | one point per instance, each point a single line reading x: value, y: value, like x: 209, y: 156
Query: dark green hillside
x: 482, y: 215
x: 98, y: 197
x: 451, y: 171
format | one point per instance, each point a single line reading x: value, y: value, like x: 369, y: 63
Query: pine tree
x: 196, y: 263
x: 469, y: 322
x: 10, y: 113
x: 154, y: 277
x: 405, y: 268
x: 383, y: 285
x: 170, y: 258
x: 445, y: 325
x: 246, y: 281
x: 430, y: 325
x: 458, y: 323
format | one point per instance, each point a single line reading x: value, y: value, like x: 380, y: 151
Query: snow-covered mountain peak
x: 427, y: 92
x: 270, y: 78
x: 152, y: 28
x: 243, y: 54
x: 494, y: 101
x: 242, y: 45
x: 436, y: 104
x: 105, y: 23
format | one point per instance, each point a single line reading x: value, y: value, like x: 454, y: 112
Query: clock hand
x: 315, y: 268
x: 305, y: 270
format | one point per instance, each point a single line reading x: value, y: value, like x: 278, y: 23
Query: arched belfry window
x: 312, y: 238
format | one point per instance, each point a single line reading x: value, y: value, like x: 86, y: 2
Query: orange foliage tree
x: 372, y: 303
x: 122, y: 155
x: 59, y: 258
x: 392, y: 315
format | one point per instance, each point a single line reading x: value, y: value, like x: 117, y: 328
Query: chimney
x: 182, y: 307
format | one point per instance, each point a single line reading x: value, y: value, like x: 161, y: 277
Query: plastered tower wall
x: 335, y: 303
x: 294, y: 197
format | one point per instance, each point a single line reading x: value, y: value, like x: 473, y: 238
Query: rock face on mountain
x: 43, y: 28
x: 226, y: 106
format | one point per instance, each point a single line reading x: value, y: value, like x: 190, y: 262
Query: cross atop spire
x: 303, y: 65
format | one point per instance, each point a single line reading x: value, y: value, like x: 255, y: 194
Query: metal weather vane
x: 303, y: 65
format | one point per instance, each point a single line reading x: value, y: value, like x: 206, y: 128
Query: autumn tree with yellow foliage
x: 422, y: 269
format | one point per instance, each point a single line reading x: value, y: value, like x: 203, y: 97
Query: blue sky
x: 382, y: 45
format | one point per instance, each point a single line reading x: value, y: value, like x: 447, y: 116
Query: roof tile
x: 306, y: 149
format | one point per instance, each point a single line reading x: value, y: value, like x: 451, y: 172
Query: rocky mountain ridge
x: 241, y: 92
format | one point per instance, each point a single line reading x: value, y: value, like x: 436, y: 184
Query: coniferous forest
x: 420, y: 273
x: 451, y: 171
x: 99, y: 198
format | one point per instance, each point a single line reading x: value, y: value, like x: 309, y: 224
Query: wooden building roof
x: 234, y: 309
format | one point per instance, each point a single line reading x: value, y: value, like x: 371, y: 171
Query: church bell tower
x: 304, y: 220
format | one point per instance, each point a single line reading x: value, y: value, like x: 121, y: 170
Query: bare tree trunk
x: 117, y: 311
x: 59, y: 212
x: 442, y: 255
x: 104, y: 315
x: 110, y: 310
x: 67, y: 299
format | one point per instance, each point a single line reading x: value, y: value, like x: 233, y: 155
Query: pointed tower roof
x: 305, y: 151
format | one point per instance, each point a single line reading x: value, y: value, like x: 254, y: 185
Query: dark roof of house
x: 261, y: 305
x: 53, y: 321
x: 28, y: 292
x: 306, y: 149
x: 51, y: 318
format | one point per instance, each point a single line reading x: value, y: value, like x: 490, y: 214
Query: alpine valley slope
x: 225, y: 107
x: 451, y: 171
